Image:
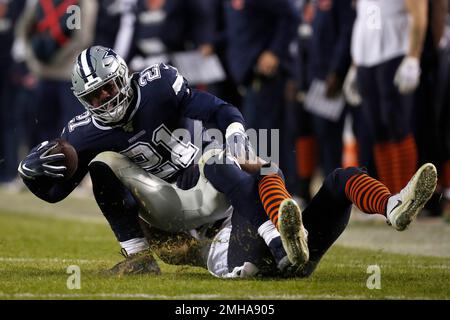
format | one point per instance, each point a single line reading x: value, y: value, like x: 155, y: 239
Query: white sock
x: 135, y: 245
x: 268, y: 231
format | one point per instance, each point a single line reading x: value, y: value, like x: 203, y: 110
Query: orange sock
x: 305, y: 148
x: 367, y: 193
x: 446, y: 175
x: 407, y: 154
x: 272, y: 191
x: 383, y: 153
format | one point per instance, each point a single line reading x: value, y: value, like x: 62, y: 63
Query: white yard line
x: 189, y: 296
x: 391, y: 265
x: 48, y: 260
x: 337, y: 265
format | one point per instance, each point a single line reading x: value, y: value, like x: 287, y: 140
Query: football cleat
x: 293, y: 234
x: 403, y: 207
x: 138, y: 263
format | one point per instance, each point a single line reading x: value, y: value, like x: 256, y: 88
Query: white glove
x: 239, y: 145
x: 350, y: 88
x: 407, y: 77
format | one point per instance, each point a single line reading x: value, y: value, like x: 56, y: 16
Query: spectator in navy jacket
x: 329, y: 61
x: 258, y: 34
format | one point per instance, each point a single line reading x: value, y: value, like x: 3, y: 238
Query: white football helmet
x: 102, y: 83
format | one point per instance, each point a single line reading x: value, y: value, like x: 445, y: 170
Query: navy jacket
x: 188, y: 20
x: 332, y: 32
x: 254, y: 26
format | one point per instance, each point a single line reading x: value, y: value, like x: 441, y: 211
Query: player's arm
x: 50, y: 189
x: 407, y: 77
x: 42, y: 172
x: 198, y: 104
x: 418, y: 10
x: 208, y: 108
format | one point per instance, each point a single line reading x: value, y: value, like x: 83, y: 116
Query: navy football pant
x: 116, y: 203
x: 387, y: 112
x: 240, y: 188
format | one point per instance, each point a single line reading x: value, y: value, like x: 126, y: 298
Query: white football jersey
x: 380, y: 32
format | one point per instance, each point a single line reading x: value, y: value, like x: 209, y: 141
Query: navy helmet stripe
x: 88, y: 58
x: 80, y: 66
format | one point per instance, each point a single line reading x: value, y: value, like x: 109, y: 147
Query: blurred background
x: 363, y: 82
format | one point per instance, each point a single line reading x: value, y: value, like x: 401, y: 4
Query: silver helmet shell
x: 96, y: 69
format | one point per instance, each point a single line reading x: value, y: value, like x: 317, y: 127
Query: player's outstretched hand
x: 41, y: 162
x: 240, y: 147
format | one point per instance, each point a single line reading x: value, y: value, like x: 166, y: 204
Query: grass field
x: 37, y: 245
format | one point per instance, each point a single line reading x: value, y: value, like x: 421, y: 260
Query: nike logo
x: 399, y: 202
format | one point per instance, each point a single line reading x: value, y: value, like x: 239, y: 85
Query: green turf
x: 36, y: 251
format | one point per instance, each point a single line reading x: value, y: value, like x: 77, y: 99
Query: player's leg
x: 238, y: 251
x: 328, y: 213
x: 241, y: 189
x: 375, y: 116
x: 121, y: 211
x: 283, y: 211
x: 397, y: 109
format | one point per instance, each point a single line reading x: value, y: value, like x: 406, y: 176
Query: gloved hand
x: 350, y: 88
x: 239, y: 145
x: 407, y: 77
x: 40, y: 162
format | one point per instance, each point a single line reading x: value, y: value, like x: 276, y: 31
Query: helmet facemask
x: 109, y: 100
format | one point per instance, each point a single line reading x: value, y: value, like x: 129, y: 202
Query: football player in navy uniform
x: 137, y: 141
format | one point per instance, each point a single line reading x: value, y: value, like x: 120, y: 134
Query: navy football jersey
x: 157, y: 132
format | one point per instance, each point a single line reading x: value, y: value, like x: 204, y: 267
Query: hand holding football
x: 71, y: 157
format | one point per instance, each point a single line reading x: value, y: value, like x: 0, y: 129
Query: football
x: 71, y: 157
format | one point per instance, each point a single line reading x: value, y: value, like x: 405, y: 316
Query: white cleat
x: 293, y: 234
x: 403, y: 207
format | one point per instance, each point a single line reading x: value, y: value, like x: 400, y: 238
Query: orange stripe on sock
x: 360, y: 196
x: 267, y: 181
x: 272, y: 191
x: 349, y: 182
x: 269, y: 185
x: 367, y: 193
x: 355, y: 183
x: 269, y: 195
x: 363, y: 197
x: 275, y: 205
